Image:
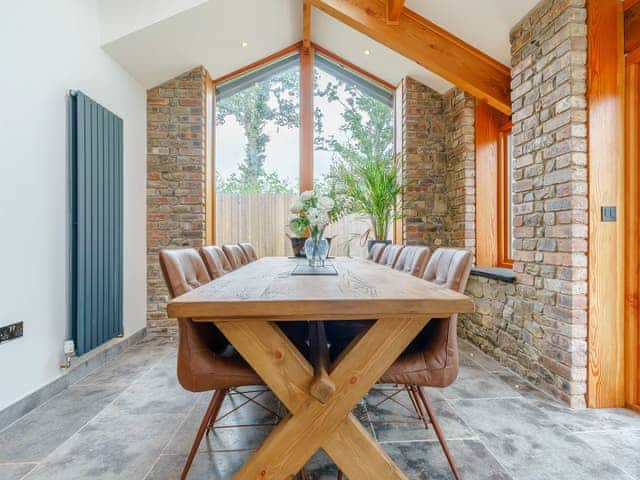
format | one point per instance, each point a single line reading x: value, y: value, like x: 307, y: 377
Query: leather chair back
x: 432, y: 358
x: 202, y: 365
x: 249, y: 251
x: 236, y: 256
x: 183, y: 270
x: 390, y: 255
x: 216, y: 261
x: 376, y: 251
x: 413, y: 260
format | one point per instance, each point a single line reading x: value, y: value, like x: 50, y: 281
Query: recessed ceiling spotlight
x: 367, y: 52
x: 245, y: 44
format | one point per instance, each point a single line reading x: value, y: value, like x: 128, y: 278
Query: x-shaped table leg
x: 312, y: 425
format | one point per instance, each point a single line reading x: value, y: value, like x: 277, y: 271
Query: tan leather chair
x: 216, y: 261
x: 390, y: 255
x: 376, y: 251
x: 413, y: 260
x: 431, y: 360
x: 236, y: 256
x: 249, y: 251
x: 206, y: 361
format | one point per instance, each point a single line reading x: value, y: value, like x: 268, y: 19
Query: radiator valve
x: 69, y: 351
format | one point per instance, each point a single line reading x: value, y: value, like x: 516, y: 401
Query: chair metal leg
x: 436, y: 426
x: 212, y: 411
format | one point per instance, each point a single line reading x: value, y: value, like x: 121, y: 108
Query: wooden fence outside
x: 262, y: 219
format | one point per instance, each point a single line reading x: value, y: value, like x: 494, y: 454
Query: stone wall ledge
x: 502, y: 274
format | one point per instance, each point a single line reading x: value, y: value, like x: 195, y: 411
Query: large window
x: 354, y: 123
x: 256, y: 161
x: 258, y: 158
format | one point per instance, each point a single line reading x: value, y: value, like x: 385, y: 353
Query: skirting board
x: 80, y: 368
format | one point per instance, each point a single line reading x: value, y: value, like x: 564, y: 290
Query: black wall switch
x: 608, y: 214
x: 11, y: 332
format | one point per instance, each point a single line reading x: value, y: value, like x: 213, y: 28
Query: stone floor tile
x: 588, y: 419
x: 157, y: 391
x: 425, y: 460
x: 113, y: 446
x: 37, y: 434
x: 15, y: 471
x: 485, y: 361
x: 393, y: 422
x: 206, y: 466
x: 530, y: 445
x: 125, y: 369
x: 478, y: 384
x: 621, y: 447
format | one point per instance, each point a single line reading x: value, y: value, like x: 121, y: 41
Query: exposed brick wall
x: 459, y: 121
x: 424, y: 165
x: 538, y: 325
x: 175, y: 180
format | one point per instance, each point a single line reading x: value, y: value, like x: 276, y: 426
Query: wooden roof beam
x: 306, y: 25
x: 430, y: 46
x: 394, y: 10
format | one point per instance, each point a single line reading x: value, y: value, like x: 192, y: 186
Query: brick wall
x: 424, y: 164
x: 175, y: 180
x: 459, y: 121
x: 538, y: 325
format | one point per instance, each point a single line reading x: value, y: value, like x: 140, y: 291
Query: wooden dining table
x: 246, y: 303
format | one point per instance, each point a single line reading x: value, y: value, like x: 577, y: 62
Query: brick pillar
x: 423, y: 165
x: 550, y: 193
x: 176, y: 145
x: 459, y: 111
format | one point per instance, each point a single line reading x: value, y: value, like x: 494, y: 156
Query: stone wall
x: 538, y: 325
x: 176, y: 145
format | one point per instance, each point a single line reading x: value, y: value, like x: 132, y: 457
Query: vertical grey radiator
x: 96, y: 150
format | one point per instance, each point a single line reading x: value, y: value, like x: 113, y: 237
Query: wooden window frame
x: 505, y: 215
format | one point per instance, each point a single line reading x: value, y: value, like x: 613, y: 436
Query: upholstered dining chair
x: 215, y: 260
x: 236, y: 256
x: 413, y: 260
x: 390, y: 255
x: 376, y: 251
x: 249, y: 251
x: 206, y: 360
x: 431, y: 360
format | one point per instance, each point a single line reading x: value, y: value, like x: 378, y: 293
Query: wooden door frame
x: 632, y: 230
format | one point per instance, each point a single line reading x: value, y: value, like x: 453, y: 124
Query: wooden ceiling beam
x: 430, y: 46
x: 306, y: 25
x: 394, y: 10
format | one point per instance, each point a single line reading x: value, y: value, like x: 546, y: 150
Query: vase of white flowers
x: 312, y: 212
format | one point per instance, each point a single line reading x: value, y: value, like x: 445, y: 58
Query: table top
x: 265, y: 289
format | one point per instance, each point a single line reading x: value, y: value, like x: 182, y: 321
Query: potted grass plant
x: 373, y: 186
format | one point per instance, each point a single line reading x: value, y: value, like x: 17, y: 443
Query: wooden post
x: 306, y: 119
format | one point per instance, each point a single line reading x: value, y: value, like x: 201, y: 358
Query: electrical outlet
x: 11, y: 332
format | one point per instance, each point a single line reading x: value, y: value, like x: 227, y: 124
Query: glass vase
x: 316, y: 249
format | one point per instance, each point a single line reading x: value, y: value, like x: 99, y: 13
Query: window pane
x: 257, y: 152
x: 352, y: 124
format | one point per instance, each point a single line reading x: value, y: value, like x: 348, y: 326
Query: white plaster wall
x: 46, y: 48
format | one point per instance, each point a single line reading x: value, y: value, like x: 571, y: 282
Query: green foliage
x: 252, y: 110
x: 373, y: 186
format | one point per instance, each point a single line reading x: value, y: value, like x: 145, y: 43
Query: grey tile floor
x: 131, y: 420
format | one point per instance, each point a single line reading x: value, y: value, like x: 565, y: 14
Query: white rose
x: 296, y: 207
x: 307, y: 195
x: 326, y: 203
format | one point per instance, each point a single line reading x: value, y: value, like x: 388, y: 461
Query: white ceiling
x: 212, y: 33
